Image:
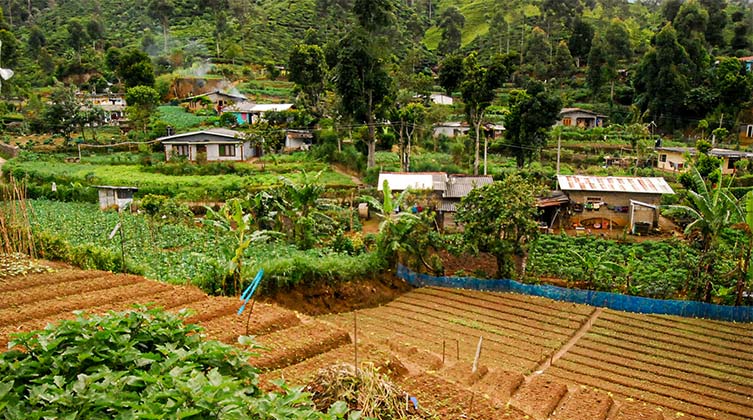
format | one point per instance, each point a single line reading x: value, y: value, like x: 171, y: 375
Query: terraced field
x: 539, y: 358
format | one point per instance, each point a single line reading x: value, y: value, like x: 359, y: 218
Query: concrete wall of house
x: 248, y: 150
x: 675, y: 162
x: 671, y: 161
x: 170, y: 152
x: 292, y: 143
x: 615, y: 207
x: 745, y: 134
x: 9, y: 150
x: 213, y: 153
x: 580, y: 119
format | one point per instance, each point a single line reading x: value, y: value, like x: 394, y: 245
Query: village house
x: 675, y: 158
x: 251, y: 113
x: 609, y: 203
x: 443, y: 192
x: 217, y: 144
x: 581, y: 118
x: 217, y: 98
x: 451, y: 129
x: 298, y: 140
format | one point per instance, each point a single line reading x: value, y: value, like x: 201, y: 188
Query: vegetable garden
x: 177, y: 252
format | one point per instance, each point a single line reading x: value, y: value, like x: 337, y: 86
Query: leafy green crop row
x: 143, y: 364
x: 177, y: 253
x: 40, y: 175
x: 652, y: 268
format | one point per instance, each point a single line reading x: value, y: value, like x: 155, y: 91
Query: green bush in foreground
x: 143, y: 364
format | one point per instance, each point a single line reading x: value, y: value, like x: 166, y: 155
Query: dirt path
x: 573, y: 340
x: 343, y: 171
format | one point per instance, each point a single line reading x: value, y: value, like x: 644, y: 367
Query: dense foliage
x: 660, y: 269
x: 215, y: 181
x: 138, y: 364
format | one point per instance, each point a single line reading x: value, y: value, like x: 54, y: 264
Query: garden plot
x: 696, y: 367
x: 518, y: 334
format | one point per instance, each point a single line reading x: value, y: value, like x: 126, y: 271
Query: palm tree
x: 713, y: 210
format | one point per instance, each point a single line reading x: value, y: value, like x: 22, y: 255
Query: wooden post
x: 478, y: 354
x: 457, y: 344
x: 443, y: 348
x: 355, y: 339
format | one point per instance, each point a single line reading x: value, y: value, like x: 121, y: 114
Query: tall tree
x: 133, y: 67
x: 60, y: 114
x: 717, y: 22
x: 451, y: 22
x: 362, y: 83
x: 478, y: 89
x: 307, y: 68
x: 451, y: 73
x: 162, y: 10
x: 662, y: 78
x: 563, y: 64
x: 500, y: 218
x: 580, y: 40
x: 142, y: 101
x: 531, y: 115
x: 360, y: 76
x: 537, y: 53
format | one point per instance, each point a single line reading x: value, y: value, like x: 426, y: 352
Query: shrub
x: 137, y: 364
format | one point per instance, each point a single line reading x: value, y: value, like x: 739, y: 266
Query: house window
x: 749, y: 131
x: 731, y: 163
x: 227, y: 150
x: 567, y: 121
x: 593, y: 199
x: 662, y: 158
x: 180, y: 150
x: 124, y: 194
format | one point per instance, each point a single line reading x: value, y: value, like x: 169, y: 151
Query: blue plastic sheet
x: 614, y: 301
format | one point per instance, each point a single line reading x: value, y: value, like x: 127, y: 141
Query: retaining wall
x: 642, y: 305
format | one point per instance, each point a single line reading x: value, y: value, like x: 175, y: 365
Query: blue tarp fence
x: 614, y: 301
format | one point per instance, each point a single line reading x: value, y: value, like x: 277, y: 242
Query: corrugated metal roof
x: 713, y: 152
x: 401, y: 182
x: 201, y: 136
x: 614, y: 184
x: 458, y: 186
x: 271, y: 107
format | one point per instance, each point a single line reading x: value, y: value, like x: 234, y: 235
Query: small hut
x: 115, y: 197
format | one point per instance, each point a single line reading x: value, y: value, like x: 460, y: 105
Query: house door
x: 201, y: 153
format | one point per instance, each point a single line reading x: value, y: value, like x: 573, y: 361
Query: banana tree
x: 231, y: 218
x: 745, y: 212
x: 712, y: 210
x: 396, y: 226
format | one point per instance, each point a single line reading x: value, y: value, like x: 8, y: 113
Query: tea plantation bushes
x: 137, y: 364
x: 658, y: 269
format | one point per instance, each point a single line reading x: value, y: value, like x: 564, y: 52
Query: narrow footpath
x: 573, y: 340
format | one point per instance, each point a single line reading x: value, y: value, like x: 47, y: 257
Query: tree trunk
x: 477, y: 126
x: 371, y: 160
x: 743, y: 276
x: 164, y: 36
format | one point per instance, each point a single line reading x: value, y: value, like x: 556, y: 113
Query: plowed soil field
x: 689, y: 368
x: 538, y: 358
